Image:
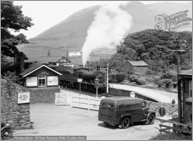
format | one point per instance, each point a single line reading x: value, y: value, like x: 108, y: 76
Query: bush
x: 133, y: 78
x: 120, y: 77
x: 156, y: 79
x: 165, y: 83
x: 130, y: 72
x: 150, y: 79
x: 149, y: 72
x: 141, y: 81
x: 169, y: 75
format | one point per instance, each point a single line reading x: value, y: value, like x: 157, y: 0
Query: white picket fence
x: 69, y: 98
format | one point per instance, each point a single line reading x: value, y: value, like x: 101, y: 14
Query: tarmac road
x: 160, y: 96
x: 51, y: 120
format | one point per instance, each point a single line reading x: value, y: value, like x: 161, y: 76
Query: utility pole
x: 178, y: 44
x: 107, y: 79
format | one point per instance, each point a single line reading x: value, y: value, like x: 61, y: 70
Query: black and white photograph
x: 96, y: 70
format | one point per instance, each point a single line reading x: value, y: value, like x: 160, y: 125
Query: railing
x: 171, y: 110
x: 177, y: 127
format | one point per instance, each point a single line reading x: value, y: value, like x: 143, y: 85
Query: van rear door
x: 107, y: 110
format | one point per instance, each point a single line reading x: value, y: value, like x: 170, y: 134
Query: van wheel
x: 125, y: 122
x: 151, y: 119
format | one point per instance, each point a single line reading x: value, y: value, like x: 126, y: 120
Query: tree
x: 12, y: 19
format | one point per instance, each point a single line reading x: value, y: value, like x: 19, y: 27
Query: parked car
x: 122, y: 111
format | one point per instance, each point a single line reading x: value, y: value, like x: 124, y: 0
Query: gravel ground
x: 51, y: 120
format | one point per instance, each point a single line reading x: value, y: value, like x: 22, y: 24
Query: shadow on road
x: 108, y: 126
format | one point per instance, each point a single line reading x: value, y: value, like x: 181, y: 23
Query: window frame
x: 41, y: 77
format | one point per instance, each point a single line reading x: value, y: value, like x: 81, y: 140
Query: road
x: 51, y: 120
x: 157, y: 95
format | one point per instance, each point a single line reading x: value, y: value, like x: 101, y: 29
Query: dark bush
x: 156, y: 79
x: 170, y: 75
x: 133, y: 78
x: 120, y: 77
x: 141, y: 81
x: 165, y: 83
x: 150, y: 79
x: 149, y: 72
x: 130, y: 72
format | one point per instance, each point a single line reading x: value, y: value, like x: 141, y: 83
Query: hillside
x: 70, y: 34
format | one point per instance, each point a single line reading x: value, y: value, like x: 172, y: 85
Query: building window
x: 42, y: 80
x: 190, y: 89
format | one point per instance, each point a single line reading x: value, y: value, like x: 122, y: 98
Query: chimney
x: 21, y: 59
x: 67, y: 54
x: 49, y: 53
x: 98, y: 68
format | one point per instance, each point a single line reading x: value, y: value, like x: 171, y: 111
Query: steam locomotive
x: 70, y: 77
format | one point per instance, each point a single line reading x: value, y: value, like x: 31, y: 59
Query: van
x: 122, y: 111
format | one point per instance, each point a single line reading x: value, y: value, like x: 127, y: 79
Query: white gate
x: 86, y: 102
x: 73, y: 99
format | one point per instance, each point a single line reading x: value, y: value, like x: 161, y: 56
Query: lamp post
x: 96, y: 81
x: 178, y: 44
x: 107, y: 79
x: 79, y: 80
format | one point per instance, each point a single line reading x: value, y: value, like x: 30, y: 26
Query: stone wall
x: 18, y: 115
x: 43, y: 95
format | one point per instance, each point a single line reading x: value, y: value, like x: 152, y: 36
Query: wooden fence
x: 169, y: 124
x: 176, y: 127
x: 86, y: 102
x: 68, y: 98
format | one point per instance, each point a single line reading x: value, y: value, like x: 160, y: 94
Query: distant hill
x: 70, y: 34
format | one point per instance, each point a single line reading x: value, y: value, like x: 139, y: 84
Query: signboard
x: 31, y: 81
x: 52, y: 80
x: 173, y: 22
x: 23, y: 97
x: 132, y: 94
x: 60, y: 99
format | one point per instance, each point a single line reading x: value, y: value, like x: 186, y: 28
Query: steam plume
x: 107, y: 30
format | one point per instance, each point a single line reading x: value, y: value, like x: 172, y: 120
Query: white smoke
x: 107, y: 30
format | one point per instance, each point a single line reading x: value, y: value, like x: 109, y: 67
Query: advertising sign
x: 52, y: 80
x: 31, y: 81
x: 23, y: 97
x: 173, y: 22
x: 60, y: 99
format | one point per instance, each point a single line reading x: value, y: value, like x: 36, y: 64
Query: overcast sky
x: 46, y: 14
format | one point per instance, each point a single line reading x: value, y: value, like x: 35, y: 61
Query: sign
x: 162, y: 111
x: 173, y: 22
x: 60, y: 99
x: 23, y: 97
x: 132, y: 94
x: 52, y: 80
x: 31, y: 81
x: 79, y: 80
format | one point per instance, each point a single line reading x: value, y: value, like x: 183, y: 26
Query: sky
x: 46, y: 14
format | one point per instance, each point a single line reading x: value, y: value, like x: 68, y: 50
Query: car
x: 123, y: 111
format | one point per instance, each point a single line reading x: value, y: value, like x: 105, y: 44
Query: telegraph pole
x: 178, y: 44
x: 107, y: 79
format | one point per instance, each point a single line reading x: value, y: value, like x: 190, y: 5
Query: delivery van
x: 122, y: 111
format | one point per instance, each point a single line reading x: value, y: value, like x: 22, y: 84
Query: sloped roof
x: 46, y: 59
x: 36, y: 67
x: 137, y: 63
x: 63, y: 58
x: 186, y: 72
